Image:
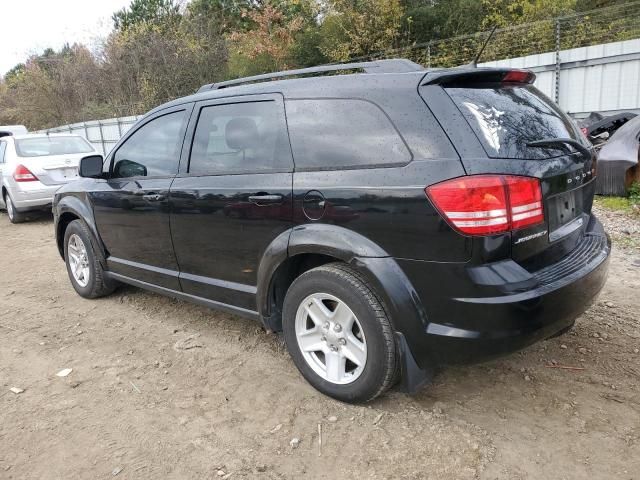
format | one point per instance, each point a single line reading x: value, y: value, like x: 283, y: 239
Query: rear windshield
x: 43, y: 146
x: 506, y: 118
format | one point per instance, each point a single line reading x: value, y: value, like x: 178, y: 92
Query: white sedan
x: 34, y: 167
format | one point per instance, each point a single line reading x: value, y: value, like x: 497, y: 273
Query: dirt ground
x: 165, y: 389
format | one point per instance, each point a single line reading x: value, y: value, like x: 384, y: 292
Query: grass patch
x: 619, y: 204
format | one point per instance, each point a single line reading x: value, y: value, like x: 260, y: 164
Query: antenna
x: 474, y: 63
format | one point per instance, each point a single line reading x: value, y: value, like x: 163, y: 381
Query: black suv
x: 386, y: 218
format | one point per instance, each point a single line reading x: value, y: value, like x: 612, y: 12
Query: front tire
x: 338, y: 334
x: 85, y: 271
x: 14, y: 215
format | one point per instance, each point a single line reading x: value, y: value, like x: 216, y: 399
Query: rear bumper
x: 32, y: 196
x: 471, y: 328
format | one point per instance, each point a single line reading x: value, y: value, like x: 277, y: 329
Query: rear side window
x: 342, y: 133
x: 152, y: 150
x: 3, y: 149
x: 43, y: 146
x: 240, y: 138
x: 506, y: 118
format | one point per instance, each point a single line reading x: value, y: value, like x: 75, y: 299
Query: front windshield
x: 44, y: 146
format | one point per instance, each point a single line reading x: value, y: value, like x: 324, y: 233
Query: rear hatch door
x: 507, y: 119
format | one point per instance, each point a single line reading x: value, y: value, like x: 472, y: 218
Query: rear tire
x: 85, y: 271
x: 14, y: 215
x: 338, y: 334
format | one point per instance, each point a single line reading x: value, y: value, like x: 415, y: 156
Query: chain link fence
x: 605, y: 25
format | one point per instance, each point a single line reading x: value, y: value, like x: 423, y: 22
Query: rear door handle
x: 265, y: 199
x: 153, y: 197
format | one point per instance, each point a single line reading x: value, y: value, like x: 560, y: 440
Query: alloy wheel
x: 78, y: 260
x: 9, y: 204
x: 331, y: 338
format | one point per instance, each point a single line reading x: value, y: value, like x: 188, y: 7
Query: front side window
x: 240, y: 138
x: 153, y: 150
x: 51, y: 145
x: 342, y: 133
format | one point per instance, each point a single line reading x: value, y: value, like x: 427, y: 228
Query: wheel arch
x: 302, y: 248
x: 309, y: 246
x: 70, y: 208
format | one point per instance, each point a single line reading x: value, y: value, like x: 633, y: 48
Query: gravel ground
x: 164, y: 389
x: 624, y: 227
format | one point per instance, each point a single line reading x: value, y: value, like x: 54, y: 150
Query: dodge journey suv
x: 385, y: 218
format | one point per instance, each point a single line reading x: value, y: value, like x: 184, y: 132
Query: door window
x: 240, y: 138
x: 3, y: 149
x: 153, y: 150
x: 343, y: 133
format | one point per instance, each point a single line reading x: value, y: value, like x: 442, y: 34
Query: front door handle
x: 153, y: 197
x: 265, y: 199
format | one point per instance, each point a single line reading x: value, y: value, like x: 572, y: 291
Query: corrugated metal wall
x: 601, y: 78
x: 103, y: 134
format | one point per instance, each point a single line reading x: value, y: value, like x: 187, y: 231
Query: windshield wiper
x: 554, y: 142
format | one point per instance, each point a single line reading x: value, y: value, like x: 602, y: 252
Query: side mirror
x: 91, y: 166
x: 127, y: 168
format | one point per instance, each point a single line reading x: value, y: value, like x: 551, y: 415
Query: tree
x: 148, y: 64
x: 145, y: 11
x: 426, y: 21
x: 510, y: 12
x: 354, y: 28
x: 266, y: 46
x: 226, y: 16
x: 53, y: 88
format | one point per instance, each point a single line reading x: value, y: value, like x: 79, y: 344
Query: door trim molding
x: 214, y: 282
x: 243, y: 312
x: 144, y: 266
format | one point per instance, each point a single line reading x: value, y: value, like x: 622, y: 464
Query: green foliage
x: 425, y: 21
x: 145, y: 11
x: 354, y: 28
x: 280, y: 35
x: 634, y: 193
x: 629, y: 204
x: 225, y: 16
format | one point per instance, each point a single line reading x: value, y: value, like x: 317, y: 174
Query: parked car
x: 467, y: 229
x: 33, y: 167
x: 618, y: 160
x: 6, y: 130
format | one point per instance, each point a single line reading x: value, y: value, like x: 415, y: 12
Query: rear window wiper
x: 554, y: 142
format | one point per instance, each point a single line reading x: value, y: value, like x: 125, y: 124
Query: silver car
x: 34, y: 166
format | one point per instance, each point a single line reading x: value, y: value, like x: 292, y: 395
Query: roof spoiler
x: 470, y: 76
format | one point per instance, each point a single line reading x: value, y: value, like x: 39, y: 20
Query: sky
x: 30, y: 26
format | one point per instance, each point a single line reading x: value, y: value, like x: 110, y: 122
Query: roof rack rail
x: 396, y: 65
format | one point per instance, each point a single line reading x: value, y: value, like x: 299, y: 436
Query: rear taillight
x: 489, y: 204
x: 22, y: 174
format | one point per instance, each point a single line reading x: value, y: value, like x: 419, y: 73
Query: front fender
x: 71, y: 204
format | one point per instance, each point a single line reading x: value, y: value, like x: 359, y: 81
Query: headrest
x: 241, y: 133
